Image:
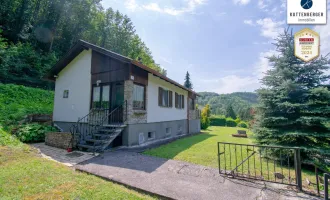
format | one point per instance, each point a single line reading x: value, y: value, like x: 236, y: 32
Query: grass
x: 17, y: 101
x: 202, y: 149
x: 25, y: 175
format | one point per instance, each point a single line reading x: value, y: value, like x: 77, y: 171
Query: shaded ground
x: 178, y: 179
x: 61, y: 155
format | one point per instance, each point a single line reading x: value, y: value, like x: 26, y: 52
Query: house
x: 107, y: 99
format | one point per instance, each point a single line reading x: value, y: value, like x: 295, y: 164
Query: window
x: 179, y: 101
x: 151, y: 135
x: 168, y: 131
x: 192, y: 104
x: 96, y: 96
x: 66, y: 94
x: 138, y: 97
x: 164, y: 97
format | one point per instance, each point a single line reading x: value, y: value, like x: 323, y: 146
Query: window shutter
x: 176, y: 100
x: 171, y: 99
x: 160, y: 91
x: 182, y: 101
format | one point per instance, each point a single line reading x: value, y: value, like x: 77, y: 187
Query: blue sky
x: 222, y: 44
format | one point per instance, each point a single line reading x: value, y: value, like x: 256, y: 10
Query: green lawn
x: 202, y: 149
x: 25, y: 175
x: 199, y: 149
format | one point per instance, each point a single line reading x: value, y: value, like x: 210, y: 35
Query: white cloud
x: 261, y: 4
x: 263, y: 65
x: 241, y: 2
x: 131, y: 5
x: 231, y: 83
x: 324, y: 32
x: 249, y: 22
x: 190, y: 7
x: 269, y: 28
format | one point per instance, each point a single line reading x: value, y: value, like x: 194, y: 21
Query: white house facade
x: 108, y: 99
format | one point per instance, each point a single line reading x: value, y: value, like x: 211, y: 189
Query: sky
x: 223, y: 44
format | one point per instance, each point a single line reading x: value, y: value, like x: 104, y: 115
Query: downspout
x: 188, y: 113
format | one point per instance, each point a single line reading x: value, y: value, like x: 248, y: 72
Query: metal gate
x: 265, y: 163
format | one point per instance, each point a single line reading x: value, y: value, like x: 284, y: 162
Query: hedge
x: 217, y: 121
x: 230, y: 122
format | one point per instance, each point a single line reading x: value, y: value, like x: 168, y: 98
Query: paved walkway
x: 180, y: 180
x: 61, y: 155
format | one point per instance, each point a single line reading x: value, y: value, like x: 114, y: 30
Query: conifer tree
x: 230, y: 112
x: 294, y: 103
x: 187, y: 81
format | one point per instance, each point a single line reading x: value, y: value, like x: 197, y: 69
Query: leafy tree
x: 230, y: 112
x: 50, y: 28
x: 205, y: 117
x: 187, y: 81
x: 294, y: 104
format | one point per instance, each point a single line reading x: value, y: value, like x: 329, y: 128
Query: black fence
x: 266, y: 163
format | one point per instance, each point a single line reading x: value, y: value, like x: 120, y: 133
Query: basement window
x: 66, y: 94
x: 151, y: 135
x: 168, y: 131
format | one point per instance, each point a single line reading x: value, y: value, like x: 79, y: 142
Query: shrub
x: 217, y: 121
x: 33, y: 132
x: 205, y: 118
x: 230, y: 122
x: 238, y: 120
x: 242, y: 125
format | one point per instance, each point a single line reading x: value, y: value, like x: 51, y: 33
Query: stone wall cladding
x: 59, y: 139
x: 134, y: 116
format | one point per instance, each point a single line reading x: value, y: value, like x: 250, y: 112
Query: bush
x: 33, y: 132
x: 205, y: 118
x: 242, y: 125
x: 230, y: 122
x: 217, y: 121
x: 238, y: 120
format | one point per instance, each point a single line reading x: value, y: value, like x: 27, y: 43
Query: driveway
x: 179, y: 180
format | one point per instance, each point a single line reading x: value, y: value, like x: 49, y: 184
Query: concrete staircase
x: 102, y: 138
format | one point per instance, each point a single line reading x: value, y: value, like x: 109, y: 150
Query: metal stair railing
x: 116, y: 116
x: 94, y: 120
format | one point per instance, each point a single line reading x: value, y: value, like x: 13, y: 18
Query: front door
x: 117, y: 99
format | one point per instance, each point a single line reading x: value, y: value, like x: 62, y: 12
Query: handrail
x: 106, y: 117
x: 91, y: 122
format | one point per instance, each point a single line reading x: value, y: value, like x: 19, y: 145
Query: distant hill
x: 242, y: 102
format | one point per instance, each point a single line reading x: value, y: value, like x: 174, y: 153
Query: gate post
x: 326, y: 185
x: 297, y: 165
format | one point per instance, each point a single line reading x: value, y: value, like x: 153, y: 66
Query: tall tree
x: 51, y: 27
x: 187, y: 81
x: 294, y: 108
